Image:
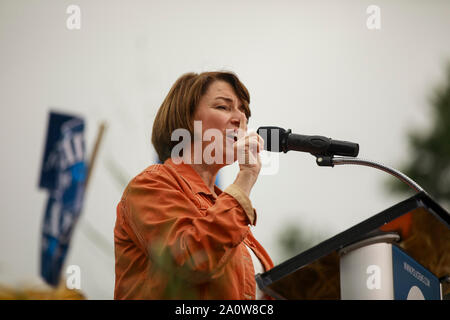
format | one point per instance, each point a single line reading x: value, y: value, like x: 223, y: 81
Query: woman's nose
x: 236, y: 117
x: 235, y: 121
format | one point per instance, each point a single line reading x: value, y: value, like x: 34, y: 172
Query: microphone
x: 277, y: 139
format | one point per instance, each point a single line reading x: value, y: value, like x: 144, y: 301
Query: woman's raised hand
x: 247, y: 148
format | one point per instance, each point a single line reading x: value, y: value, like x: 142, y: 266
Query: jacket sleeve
x: 172, y: 230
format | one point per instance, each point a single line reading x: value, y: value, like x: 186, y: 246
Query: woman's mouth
x: 232, y: 136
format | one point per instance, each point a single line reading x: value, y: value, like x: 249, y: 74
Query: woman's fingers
x: 248, y: 147
x: 242, y: 130
x: 259, y: 140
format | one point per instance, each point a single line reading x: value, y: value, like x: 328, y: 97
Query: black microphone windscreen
x: 273, y: 137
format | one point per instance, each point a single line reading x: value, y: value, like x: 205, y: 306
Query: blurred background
x: 316, y: 67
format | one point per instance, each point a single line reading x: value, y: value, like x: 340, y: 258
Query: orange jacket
x: 175, y: 240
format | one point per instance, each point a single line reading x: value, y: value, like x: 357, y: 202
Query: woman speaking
x: 177, y: 235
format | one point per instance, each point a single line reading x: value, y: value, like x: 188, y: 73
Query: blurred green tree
x: 429, y: 161
x: 293, y: 240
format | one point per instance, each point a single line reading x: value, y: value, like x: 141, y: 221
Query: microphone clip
x: 324, y: 160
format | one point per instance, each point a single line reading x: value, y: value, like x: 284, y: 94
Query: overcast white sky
x: 311, y: 66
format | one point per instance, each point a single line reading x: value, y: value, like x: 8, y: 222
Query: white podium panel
x: 382, y: 271
x: 366, y: 273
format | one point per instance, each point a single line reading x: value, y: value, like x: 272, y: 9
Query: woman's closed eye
x: 222, y: 107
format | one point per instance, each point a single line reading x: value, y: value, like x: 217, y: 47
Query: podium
x: 400, y: 253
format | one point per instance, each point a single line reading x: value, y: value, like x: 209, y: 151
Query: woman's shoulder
x: 155, y: 175
x: 155, y: 172
x: 154, y: 169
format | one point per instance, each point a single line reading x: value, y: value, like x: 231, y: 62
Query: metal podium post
x: 377, y: 269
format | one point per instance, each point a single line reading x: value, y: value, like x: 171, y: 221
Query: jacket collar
x: 192, y: 178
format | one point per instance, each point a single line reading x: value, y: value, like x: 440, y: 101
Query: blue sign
x: 411, y: 280
x: 63, y: 174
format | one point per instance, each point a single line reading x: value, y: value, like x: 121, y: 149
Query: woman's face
x: 219, y: 108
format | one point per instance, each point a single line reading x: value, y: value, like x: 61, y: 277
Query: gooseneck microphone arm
x: 321, y: 161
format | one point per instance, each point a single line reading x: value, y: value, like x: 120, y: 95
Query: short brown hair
x: 179, y: 106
